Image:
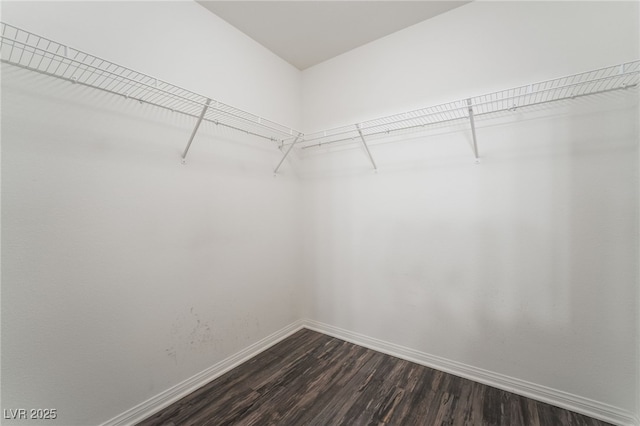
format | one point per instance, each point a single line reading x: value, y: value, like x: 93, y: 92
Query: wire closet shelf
x: 33, y: 52
x: 36, y: 53
x: 617, y: 77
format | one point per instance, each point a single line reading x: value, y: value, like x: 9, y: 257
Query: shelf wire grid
x: 31, y: 51
x: 36, y: 53
x: 617, y: 77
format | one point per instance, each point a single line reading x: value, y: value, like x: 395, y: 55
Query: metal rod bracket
x: 473, y: 131
x: 195, y: 130
x: 275, y: 171
x: 366, y: 147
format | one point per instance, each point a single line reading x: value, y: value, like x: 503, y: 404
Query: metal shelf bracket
x: 366, y: 147
x: 195, y: 130
x: 287, y: 153
x: 473, y: 131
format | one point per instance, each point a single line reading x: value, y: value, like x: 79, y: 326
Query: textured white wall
x: 123, y: 271
x: 524, y: 265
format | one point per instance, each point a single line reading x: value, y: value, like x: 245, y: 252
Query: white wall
x: 471, y: 50
x: 125, y: 272
x: 177, y: 41
x: 524, y: 265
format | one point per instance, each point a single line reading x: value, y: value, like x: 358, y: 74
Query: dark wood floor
x: 313, y: 379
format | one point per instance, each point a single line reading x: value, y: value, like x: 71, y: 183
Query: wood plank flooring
x: 313, y: 379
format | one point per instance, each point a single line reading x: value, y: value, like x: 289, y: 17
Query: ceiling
x: 305, y: 33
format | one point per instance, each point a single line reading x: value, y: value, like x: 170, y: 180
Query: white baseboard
x: 173, y: 394
x: 555, y: 397
x: 551, y: 396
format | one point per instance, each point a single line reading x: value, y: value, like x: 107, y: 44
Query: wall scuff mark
x: 189, y: 333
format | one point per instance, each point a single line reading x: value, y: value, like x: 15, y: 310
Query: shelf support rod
x: 473, y: 131
x: 195, y: 130
x: 366, y: 147
x: 287, y: 153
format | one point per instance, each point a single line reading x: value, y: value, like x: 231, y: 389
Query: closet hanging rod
x: 30, y: 51
x: 599, y: 81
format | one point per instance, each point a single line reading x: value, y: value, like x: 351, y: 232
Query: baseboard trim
x: 551, y: 396
x: 541, y: 393
x: 173, y: 394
